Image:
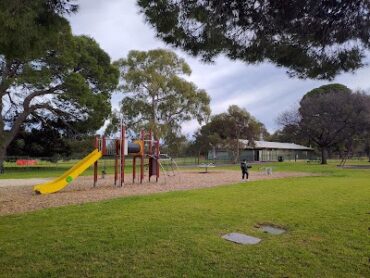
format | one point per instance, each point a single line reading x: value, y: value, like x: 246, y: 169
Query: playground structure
x: 347, y: 155
x: 145, y: 147
x: 168, y: 165
x: 343, y: 163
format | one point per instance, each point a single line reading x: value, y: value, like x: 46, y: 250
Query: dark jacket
x: 244, y: 166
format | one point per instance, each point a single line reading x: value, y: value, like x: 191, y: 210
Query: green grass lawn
x: 300, y: 166
x: 47, y: 169
x: 178, y: 234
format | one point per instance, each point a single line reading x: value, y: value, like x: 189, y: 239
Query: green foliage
x: 312, y: 39
x: 225, y: 129
x: 71, y: 82
x: 29, y: 28
x: 327, y: 89
x: 156, y: 94
x: 175, y: 145
x: 179, y: 234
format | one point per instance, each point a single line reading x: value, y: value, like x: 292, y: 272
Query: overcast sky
x: 264, y: 90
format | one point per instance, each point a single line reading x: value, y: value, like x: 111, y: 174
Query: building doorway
x: 256, y: 155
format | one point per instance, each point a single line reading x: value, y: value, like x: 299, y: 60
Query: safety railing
x: 108, y: 146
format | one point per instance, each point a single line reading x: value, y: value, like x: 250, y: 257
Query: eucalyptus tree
x: 157, y: 95
x: 311, y: 38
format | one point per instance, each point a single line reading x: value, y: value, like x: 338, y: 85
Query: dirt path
x: 21, y: 182
x: 17, y: 199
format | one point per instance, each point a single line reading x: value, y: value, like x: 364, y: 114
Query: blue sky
x: 264, y: 90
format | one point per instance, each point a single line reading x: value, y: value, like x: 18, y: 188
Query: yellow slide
x: 68, y: 176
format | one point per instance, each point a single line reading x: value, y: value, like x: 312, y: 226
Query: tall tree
x: 156, y: 94
x: 226, y: 129
x: 71, y: 82
x: 29, y: 28
x: 312, y: 38
x: 244, y: 126
x: 330, y: 115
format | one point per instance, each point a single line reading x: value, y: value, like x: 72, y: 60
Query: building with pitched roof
x: 264, y: 151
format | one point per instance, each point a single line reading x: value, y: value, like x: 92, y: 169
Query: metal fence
x: 197, y: 160
x: 108, y: 162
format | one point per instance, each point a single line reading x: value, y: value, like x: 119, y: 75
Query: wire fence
x: 108, y: 162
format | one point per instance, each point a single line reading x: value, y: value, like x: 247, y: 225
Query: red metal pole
x: 123, y: 135
x: 133, y: 169
x: 157, y: 154
x: 116, y: 154
x: 150, y: 151
x: 142, y: 157
x: 96, y: 162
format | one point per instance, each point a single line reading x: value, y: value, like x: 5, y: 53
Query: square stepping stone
x: 272, y: 230
x: 241, y: 238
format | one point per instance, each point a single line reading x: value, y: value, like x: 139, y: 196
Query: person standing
x: 244, y: 168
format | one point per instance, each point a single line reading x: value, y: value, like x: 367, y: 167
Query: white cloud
x: 264, y: 90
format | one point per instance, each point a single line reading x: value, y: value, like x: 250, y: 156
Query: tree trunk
x: 6, y: 138
x: 154, y: 124
x: 2, y: 157
x: 237, y: 152
x: 324, y: 155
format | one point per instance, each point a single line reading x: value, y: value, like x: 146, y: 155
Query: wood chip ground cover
x: 18, y: 198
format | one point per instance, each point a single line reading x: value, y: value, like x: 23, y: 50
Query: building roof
x: 274, y: 145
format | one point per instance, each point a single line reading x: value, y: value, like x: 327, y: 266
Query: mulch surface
x: 18, y: 198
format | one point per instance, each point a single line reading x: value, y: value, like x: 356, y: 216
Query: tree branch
x: 8, y: 71
x: 27, y: 111
x: 11, y: 100
x: 47, y: 106
x: 171, y: 117
x: 31, y: 96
